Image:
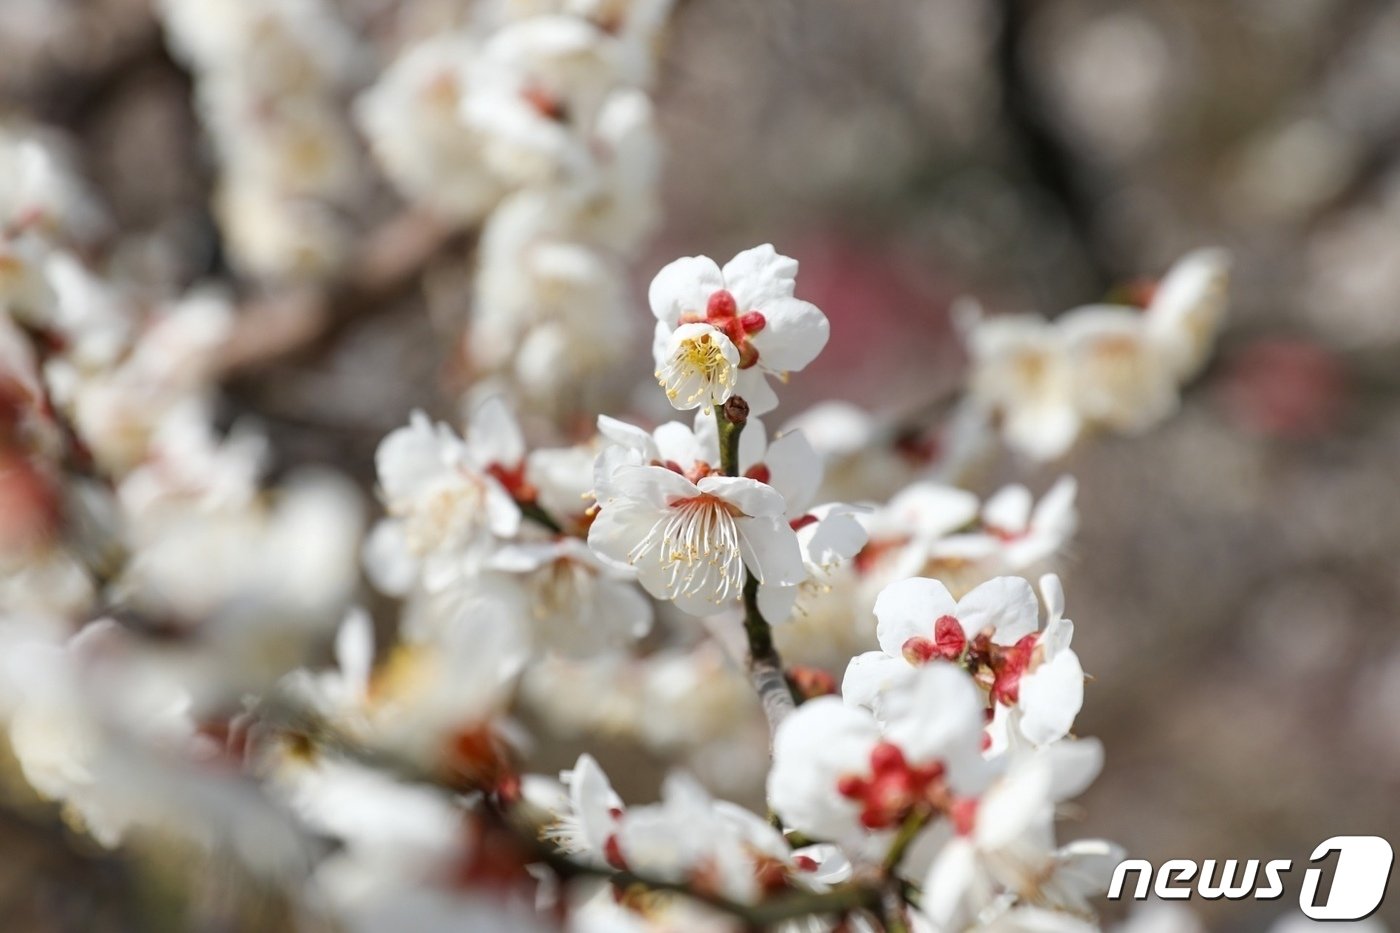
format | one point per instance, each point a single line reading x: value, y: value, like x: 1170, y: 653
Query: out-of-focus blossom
x: 1100, y: 366
x: 448, y: 499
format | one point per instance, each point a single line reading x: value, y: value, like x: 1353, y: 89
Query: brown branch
x: 278, y: 713
x: 387, y: 264
x: 765, y: 667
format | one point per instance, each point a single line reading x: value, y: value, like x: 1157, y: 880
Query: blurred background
x: 1235, y: 578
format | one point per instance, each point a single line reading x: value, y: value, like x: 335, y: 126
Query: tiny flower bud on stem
x: 736, y: 411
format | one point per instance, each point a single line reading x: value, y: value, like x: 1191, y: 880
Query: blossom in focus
x: 993, y: 633
x: 723, y: 332
x: 691, y: 541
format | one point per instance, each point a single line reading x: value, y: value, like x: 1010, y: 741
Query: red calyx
x: 810, y: 682
x: 760, y: 472
x: 1009, y: 664
x: 545, y: 104
x: 514, y: 481
x: 612, y: 853
x: 963, y: 813
x: 949, y: 638
x: 722, y: 313
x: 893, y: 789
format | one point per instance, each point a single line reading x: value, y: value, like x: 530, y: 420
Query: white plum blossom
x: 1022, y: 372
x: 448, y: 498
x: 187, y: 647
x: 993, y: 632
x: 1005, y: 844
x: 577, y: 604
x: 1187, y: 308
x: 919, y: 622
x: 692, y: 541
x: 587, y: 824
x: 840, y: 775
x: 1099, y: 366
x: 411, y: 118
x: 723, y: 332
x: 536, y: 91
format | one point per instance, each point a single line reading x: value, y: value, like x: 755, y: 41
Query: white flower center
x: 702, y: 369
x: 448, y: 515
x: 697, y: 545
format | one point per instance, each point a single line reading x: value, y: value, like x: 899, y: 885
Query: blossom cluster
x: 801, y: 614
x: 533, y: 121
x: 268, y: 75
x: 1113, y: 366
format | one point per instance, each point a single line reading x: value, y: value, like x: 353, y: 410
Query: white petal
x: 410, y: 458
x: 938, y: 714
x: 390, y: 565
x: 949, y: 884
x: 758, y: 276
x: 794, y: 335
x: 620, y: 525
x: 776, y: 602
x: 494, y: 435
x: 870, y: 675
x: 835, y: 539
x: 684, y: 287
x: 593, y: 799
x: 354, y: 649
x: 754, y: 499
x: 1053, y: 592
x: 628, y: 435
x: 1006, y: 605
x: 752, y: 386
x: 502, y: 513
x: 820, y: 741
x: 1073, y: 766
x: 909, y: 609
x: 770, y: 551
x: 1051, y: 697
x: 1014, y: 805
x: 654, y: 484
x: 679, y: 444
x: 1009, y: 509
x: 1045, y: 431
x: 1055, y: 513
x: 931, y: 509
x: 796, y: 470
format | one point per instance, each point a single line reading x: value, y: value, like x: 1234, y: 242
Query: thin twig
x: 764, y: 664
x: 908, y: 832
x: 843, y: 899
x: 389, y: 262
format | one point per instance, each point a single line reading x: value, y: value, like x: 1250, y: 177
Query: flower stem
x: 539, y: 516
x: 908, y: 832
x: 765, y: 666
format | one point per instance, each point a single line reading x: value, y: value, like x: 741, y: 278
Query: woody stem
x: 764, y: 665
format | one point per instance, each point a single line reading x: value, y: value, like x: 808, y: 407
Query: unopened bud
x: 736, y: 410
